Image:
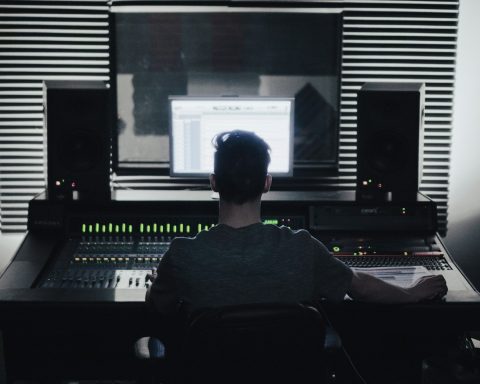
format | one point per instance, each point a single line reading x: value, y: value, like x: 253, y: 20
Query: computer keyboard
x: 433, y: 262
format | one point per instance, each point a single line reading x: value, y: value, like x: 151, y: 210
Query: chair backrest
x: 260, y: 343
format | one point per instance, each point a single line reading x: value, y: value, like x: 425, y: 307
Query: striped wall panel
x: 40, y: 40
x: 402, y: 41
x: 383, y: 41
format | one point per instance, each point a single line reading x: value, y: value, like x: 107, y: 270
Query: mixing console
x: 103, y: 252
x: 123, y: 262
x: 107, y: 262
x: 389, y: 252
x: 120, y: 254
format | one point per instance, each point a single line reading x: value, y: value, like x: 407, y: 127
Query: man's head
x: 240, y: 165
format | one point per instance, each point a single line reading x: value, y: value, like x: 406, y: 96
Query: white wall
x: 463, y: 237
x: 9, y: 244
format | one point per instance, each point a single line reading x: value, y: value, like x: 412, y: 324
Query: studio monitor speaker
x: 77, y: 130
x: 389, y: 140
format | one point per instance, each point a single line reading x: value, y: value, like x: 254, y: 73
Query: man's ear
x: 213, y: 183
x: 268, y: 183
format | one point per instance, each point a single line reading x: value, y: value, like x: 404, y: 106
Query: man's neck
x: 237, y: 216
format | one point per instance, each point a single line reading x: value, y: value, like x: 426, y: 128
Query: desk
x: 102, y: 324
x: 84, y: 340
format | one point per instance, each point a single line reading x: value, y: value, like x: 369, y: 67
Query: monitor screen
x: 194, y: 123
x: 205, y: 51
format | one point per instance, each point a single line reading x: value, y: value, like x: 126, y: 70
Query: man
x: 241, y: 260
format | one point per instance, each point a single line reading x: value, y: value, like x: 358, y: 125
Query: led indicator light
x: 110, y: 227
x: 117, y: 228
x: 141, y: 228
x: 97, y: 227
x: 73, y: 184
x: 154, y: 227
x: 181, y: 227
x: 365, y: 182
x: 174, y: 228
x: 90, y: 228
x: 124, y: 227
x: 161, y: 228
x: 84, y: 228
x: 336, y: 249
x: 168, y: 227
x: 130, y: 228
x: 206, y: 227
x: 58, y: 183
x: 148, y: 228
x: 369, y: 180
x: 188, y: 228
x: 104, y: 228
x: 199, y: 227
x: 271, y: 221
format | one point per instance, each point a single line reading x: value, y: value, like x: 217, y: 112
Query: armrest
x: 149, y: 348
x: 332, y: 340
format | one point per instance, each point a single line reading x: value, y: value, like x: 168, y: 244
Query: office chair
x: 262, y: 343
x: 257, y: 343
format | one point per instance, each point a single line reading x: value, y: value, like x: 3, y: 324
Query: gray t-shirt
x: 254, y: 264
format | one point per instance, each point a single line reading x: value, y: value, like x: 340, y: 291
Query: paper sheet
x: 401, y: 276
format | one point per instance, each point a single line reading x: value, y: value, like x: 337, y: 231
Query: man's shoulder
x: 286, y: 234
x: 180, y: 243
x: 299, y: 234
x: 214, y: 237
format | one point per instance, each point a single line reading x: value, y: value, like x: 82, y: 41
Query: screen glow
x: 195, y: 122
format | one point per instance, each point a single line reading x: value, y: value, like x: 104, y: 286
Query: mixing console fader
x: 107, y: 263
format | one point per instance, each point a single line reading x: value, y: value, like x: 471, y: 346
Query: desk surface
x: 207, y: 195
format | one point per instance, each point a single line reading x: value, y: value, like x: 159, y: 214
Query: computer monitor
x: 194, y: 122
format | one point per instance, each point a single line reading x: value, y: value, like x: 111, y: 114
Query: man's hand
x: 429, y: 288
x: 151, y: 276
x: 365, y: 287
x: 149, y: 279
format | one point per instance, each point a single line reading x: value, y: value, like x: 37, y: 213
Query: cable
x: 347, y: 356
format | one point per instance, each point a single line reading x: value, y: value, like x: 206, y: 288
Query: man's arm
x: 162, y: 294
x: 365, y: 287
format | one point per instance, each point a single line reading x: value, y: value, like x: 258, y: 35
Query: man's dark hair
x: 240, y: 165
